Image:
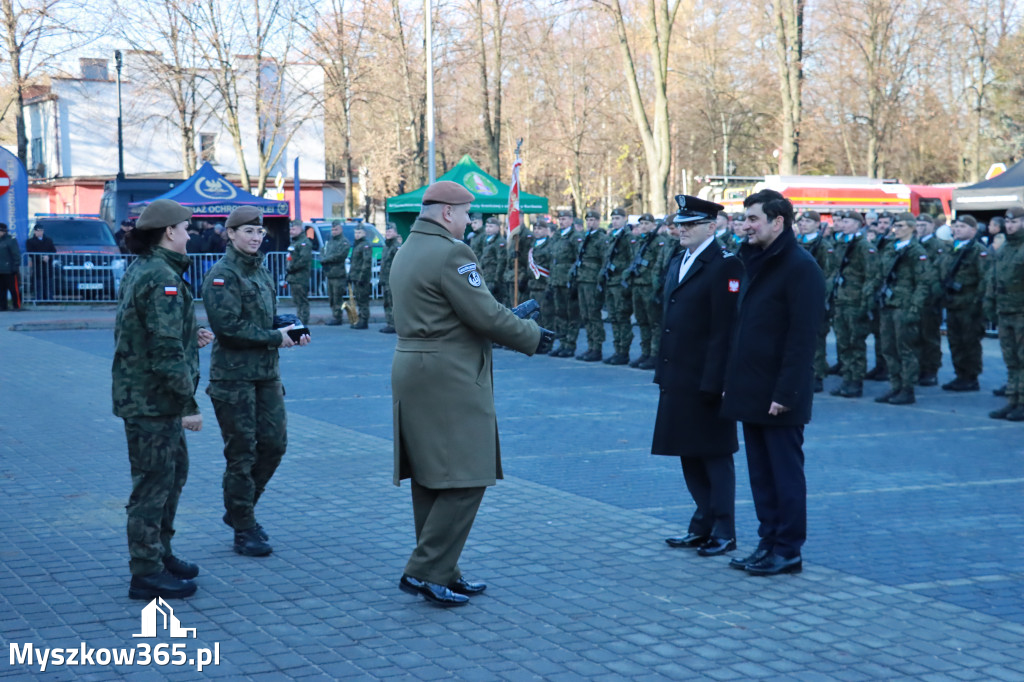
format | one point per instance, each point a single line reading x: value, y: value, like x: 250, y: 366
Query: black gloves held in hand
x: 527, y: 310
x: 547, y: 340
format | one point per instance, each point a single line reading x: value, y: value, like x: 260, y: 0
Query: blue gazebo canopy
x: 210, y: 195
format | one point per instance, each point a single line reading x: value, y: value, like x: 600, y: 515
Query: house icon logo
x: 159, y: 613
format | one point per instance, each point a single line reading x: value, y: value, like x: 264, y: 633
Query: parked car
x: 87, y: 264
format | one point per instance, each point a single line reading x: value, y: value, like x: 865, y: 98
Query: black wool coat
x: 697, y: 322
x: 782, y: 303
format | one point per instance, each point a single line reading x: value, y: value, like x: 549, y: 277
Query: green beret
x: 619, y: 211
x: 905, y: 217
x: 244, y: 215
x: 162, y: 213
x: 593, y: 214
x: 967, y: 220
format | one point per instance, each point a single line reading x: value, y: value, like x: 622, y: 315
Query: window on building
x: 35, y: 157
x: 208, y: 147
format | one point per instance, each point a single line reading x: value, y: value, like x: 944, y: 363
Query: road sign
x: 5, y: 182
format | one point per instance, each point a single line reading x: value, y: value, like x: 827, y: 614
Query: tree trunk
x: 789, y: 48
x: 14, y: 59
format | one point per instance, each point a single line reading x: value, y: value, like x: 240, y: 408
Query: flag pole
x: 513, y: 205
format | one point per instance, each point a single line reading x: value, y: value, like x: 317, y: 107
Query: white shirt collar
x: 689, y: 258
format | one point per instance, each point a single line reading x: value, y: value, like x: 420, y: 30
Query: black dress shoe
x: 432, y: 592
x: 716, y: 546
x: 160, y: 584
x: 186, y: 570
x: 689, y: 540
x: 773, y: 564
x: 463, y: 586
x: 741, y: 564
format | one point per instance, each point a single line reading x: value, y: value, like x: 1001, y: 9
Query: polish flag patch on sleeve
x: 218, y: 281
x: 734, y: 286
x: 170, y: 291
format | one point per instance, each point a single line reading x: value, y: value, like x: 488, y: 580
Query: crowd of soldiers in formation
x: 888, y: 275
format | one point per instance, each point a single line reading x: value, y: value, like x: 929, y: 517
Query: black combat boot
x: 999, y: 392
x: 388, y: 329
x: 928, y: 380
x: 885, y: 397
x: 1016, y: 414
x: 1003, y: 412
x: 639, y: 361
x: 361, y: 324
x: 649, y: 363
x: 849, y: 389
x: 618, y: 359
x: 160, y: 584
x: 259, y: 529
x: 819, y: 384
x: 249, y: 543
x: 835, y: 369
x: 904, y: 397
x: 179, y: 568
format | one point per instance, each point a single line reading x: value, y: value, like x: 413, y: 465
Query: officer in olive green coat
x: 618, y: 299
x: 245, y: 384
x: 360, y: 274
x: 445, y: 428
x: 391, y: 243
x: 931, y: 315
x: 1005, y: 298
x: 963, y: 269
x: 851, y: 292
x: 300, y: 265
x: 902, y: 283
x: 333, y: 258
x: 585, y: 270
x: 155, y: 373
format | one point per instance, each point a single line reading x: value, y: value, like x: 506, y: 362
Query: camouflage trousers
x: 541, y: 292
x: 254, y: 427
x: 931, y: 339
x: 965, y: 328
x: 642, y: 304
x: 389, y: 306
x: 337, y: 287
x: 591, y: 301
x: 567, y: 316
x: 1011, y: 341
x: 900, y: 333
x: 159, y: 463
x: 820, y: 346
x: 875, y: 329
x: 300, y: 297
x: 851, y: 327
x: 361, y: 290
x: 619, y: 302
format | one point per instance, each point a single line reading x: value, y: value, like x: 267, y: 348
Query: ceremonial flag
x: 515, y: 218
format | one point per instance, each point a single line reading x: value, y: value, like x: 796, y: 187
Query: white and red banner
x: 515, y: 218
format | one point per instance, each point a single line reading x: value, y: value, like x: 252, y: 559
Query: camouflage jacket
x: 156, y: 355
x: 386, y: 258
x: 238, y: 293
x: 300, y: 259
x: 852, y: 272
x: 542, y: 257
x: 492, y: 262
x: 617, y: 256
x: 361, y: 267
x: 644, y: 253
x: 967, y: 284
x: 565, y: 248
x: 902, y: 277
x: 1005, y: 293
x: 333, y: 257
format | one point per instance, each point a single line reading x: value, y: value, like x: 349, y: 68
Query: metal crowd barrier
x: 96, y: 277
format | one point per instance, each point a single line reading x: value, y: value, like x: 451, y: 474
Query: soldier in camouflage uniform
x: 245, y: 385
x: 155, y: 373
x: 1005, y: 298
x: 300, y: 265
x: 618, y: 299
x: 492, y: 263
x: 391, y: 243
x: 667, y: 246
x: 737, y: 237
x: 333, y: 258
x: 850, y: 286
x: 931, y: 314
x: 361, y: 276
x: 812, y: 237
x: 567, y: 308
x: 587, y: 266
x: 902, y: 283
x: 963, y: 270
x: 517, y: 265
x: 638, y: 279
x: 475, y: 235
x: 539, y: 258
x: 878, y: 235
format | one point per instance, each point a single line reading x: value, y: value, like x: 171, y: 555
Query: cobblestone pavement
x: 914, y: 568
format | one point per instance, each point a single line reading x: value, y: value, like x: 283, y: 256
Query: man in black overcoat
x: 699, y: 304
x: 769, y: 383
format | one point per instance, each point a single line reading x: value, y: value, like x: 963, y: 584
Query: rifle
x: 949, y: 285
x: 574, y: 270
x: 838, y: 281
x: 638, y: 262
x: 609, y: 267
x: 885, y: 292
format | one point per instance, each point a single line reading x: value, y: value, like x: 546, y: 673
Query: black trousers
x: 9, y: 283
x: 712, y: 484
x: 443, y: 518
x: 775, y: 460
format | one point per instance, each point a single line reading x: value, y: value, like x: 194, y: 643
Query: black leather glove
x: 547, y: 340
x: 527, y: 310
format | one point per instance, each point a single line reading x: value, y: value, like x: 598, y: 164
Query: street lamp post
x: 120, y: 134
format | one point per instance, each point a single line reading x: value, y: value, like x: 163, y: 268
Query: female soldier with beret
x: 245, y: 385
x: 155, y: 374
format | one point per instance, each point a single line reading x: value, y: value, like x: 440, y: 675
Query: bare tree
x: 659, y: 20
x: 788, y: 18
x: 491, y: 75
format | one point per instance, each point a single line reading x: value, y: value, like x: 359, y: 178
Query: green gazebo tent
x: 491, y: 195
